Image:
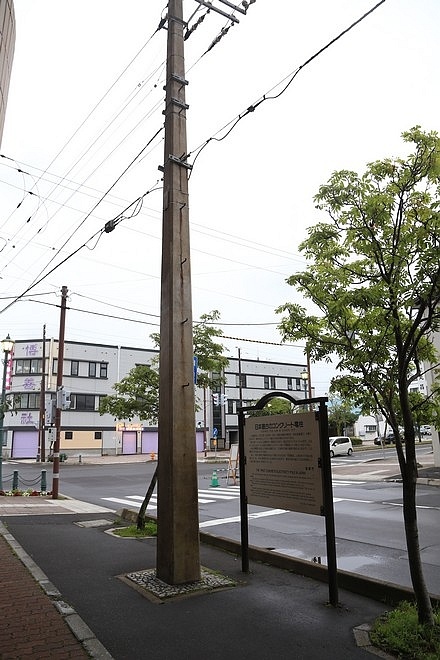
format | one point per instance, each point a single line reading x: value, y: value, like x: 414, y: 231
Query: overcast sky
x: 86, y: 97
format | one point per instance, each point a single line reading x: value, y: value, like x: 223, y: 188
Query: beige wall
x: 80, y: 440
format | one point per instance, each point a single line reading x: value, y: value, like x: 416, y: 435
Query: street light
x: 7, y: 346
x: 305, y: 377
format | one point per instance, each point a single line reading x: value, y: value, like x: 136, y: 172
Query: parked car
x: 340, y: 445
x: 425, y: 429
x: 388, y: 440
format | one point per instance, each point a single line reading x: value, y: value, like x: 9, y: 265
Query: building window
x: 55, y: 366
x: 84, y: 402
x: 74, y: 368
x: 370, y: 428
x: 266, y: 382
x: 68, y: 435
x: 27, y: 401
x: 230, y: 405
x: 240, y: 380
x: 28, y: 366
x: 272, y: 382
x: 98, y: 435
x: 289, y: 384
x: 299, y: 385
x: 98, y: 369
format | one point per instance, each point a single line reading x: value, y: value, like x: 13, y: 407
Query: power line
x: 266, y: 97
x: 96, y: 106
x: 110, y: 227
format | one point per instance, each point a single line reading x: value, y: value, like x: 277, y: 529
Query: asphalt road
x: 368, y: 512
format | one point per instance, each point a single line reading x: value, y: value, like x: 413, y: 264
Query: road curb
x: 76, y: 624
x: 379, y: 590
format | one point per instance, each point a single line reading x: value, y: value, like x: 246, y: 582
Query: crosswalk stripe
x: 118, y: 500
x: 218, y: 496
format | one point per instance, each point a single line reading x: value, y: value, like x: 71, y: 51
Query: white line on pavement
x: 233, y: 519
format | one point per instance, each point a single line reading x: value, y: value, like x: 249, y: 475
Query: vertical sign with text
x: 283, y: 466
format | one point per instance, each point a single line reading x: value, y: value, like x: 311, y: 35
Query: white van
x: 340, y: 445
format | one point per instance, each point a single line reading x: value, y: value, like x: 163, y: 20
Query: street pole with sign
x: 7, y: 346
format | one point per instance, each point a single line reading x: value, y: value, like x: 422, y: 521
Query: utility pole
x: 60, y: 362
x: 42, y: 425
x: 178, y: 550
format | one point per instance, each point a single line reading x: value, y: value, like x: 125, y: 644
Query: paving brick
x: 32, y: 628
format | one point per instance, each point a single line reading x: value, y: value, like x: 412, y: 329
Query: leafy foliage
x: 209, y: 352
x: 400, y: 633
x: 340, y: 415
x: 374, y: 280
x: 137, y: 395
x: 276, y: 406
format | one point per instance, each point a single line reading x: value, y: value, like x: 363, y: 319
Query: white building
x: 89, y: 373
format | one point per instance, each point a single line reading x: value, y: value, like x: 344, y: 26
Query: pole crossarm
x: 231, y: 17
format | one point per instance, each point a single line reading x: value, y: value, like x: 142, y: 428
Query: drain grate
x: 147, y: 580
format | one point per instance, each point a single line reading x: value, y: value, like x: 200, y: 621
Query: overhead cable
x: 267, y: 97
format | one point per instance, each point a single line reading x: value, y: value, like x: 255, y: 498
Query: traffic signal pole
x: 178, y: 551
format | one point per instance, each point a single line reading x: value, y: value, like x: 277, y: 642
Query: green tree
x: 209, y: 352
x: 137, y: 395
x: 276, y: 406
x: 340, y: 415
x: 374, y: 278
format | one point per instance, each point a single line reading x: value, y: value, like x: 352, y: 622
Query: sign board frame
x: 283, y: 462
x: 325, y: 466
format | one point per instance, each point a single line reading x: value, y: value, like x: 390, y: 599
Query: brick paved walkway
x: 31, y: 627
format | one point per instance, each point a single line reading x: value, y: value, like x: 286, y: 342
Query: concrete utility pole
x: 178, y: 551
x: 60, y: 362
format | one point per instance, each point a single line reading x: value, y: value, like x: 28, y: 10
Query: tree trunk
x: 148, y: 494
x: 424, y: 607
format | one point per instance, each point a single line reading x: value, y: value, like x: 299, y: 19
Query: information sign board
x: 283, y: 466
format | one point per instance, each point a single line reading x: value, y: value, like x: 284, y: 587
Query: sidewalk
x: 269, y: 611
x: 31, y: 626
x: 65, y: 594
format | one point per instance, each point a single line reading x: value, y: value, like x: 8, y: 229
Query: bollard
x: 43, y: 481
x: 214, y: 479
x: 15, y: 480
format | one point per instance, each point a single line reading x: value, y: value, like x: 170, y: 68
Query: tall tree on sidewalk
x: 374, y: 279
x: 137, y: 395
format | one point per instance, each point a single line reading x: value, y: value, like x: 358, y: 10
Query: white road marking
x: 234, y: 519
x: 118, y: 500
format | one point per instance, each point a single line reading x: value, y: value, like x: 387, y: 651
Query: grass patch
x: 132, y: 531
x: 399, y: 632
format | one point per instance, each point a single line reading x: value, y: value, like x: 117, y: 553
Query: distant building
x: 7, y: 45
x: 89, y: 373
x: 430, y: 377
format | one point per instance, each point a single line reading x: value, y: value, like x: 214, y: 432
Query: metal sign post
x: 287, y: 458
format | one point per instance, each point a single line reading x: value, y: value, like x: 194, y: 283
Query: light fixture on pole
x: 305, y: 377
x: 7, y: 346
